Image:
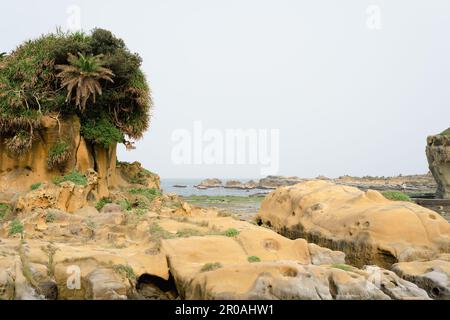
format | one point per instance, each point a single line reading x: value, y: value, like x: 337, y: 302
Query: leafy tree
x: 93, y: 76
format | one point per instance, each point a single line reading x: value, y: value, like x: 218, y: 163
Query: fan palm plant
x: 83, y: 73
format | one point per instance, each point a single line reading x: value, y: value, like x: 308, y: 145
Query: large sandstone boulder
x: 438, y: 155
x: 286, y: 270
x: 366, y: 226
x: 433, y: 276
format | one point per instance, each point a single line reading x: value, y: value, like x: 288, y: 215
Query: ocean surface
x: 168, y: 187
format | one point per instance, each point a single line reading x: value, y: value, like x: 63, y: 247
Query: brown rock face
x: 19, y: 173
x: 438, y: 155
x: 366, y: 226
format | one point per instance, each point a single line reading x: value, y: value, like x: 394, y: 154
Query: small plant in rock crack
x: 252, y: 259
x: 50, y: 217
x: 58, y: 155
x: 231, y: 232
x: 15, y: 227
x: 211, y: 266
x: 35, y: 186
x: 5, y: 211
x: 90, y: 224
x: 125, y: 270
x: 102, y: 202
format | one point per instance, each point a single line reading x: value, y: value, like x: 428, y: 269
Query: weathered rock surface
x: 19, y: 173
x: 415, y: 183
x: 210, y: 183
x: 289, y: 276
x: 433, y: 276
x: 171, y: 250
x: 273, y: 182
x: 134, y: 173
x: 438, y: 155
x: 366, y: 226
x: 236, y: 184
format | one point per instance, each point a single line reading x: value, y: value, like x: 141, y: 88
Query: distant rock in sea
x: 209, y: 183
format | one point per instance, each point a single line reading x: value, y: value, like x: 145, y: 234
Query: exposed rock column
x: 438, y: 155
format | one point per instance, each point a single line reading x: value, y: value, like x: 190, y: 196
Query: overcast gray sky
x: 346, y: 98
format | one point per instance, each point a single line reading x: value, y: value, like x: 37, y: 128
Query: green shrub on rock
x: 396, y: 196
x: 58, y: 154
x: 102, y: 202
x: 5, y: 211
x: 35, y: 186
x: 211, y: 266
x: 75, y: 177
x: 15, y: 227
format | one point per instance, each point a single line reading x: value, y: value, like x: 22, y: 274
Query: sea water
x: 190, y: 190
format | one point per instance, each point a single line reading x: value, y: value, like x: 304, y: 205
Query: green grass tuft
x: 186, y: 233
x: 50, y: 217
x: 342, y: 266
x: 5, y: 210
x: 15, y: 227
x: 446, y: 132
x: 125, y: 270
x: 102, y: 132
x: 149, y: 193
x: 231, y: 232
x: 102, y: 202
x: 58, y: 154
x: 124, y: 204
x: 35, y: 186
x: 252, y: 259
x: 75, y: 177
x: 211, y: 266
x: 396, y: 196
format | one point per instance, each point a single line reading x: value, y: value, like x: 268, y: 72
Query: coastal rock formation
x: 438, y: 155
x: 289, y: 280
x: 210, y: 183
x: 121, y: 252
x: 415, y: 183
x: 288, y: 270
x: 273, y: 182
x: 236, y: 184
x: 17, y: 174
x: 433, y: 276
x: 366, y: 226
x: 134, y: 173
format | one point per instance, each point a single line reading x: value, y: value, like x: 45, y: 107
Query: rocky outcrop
x: 124, y: 253
x: 287, y: 270
x: 273, y: 182
x: 366, y: 226
x: 209, y: 183
x: 236, y: 184
x: 134, y: 173
x: 433, y: 276
x: 19, y: 173
x: 438, y: 155
x: 288, y: 280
